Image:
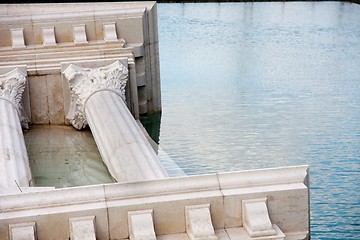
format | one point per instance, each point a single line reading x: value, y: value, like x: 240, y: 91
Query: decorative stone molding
x: 48, y: 34
x: 287, y: 203
x: 106, y: 27
x: 22, y: 231
x: 198, y: 222
x: 12, y: 85
x: 141, y: 225
x: 110, y: 34
x: 256, y: 219
x: 17, y: 38
x: 79, y: 33
x: 82, y: 228
x: 85, y: 82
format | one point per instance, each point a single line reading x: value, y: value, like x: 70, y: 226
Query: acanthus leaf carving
x: 12, y: 86
x: 85, y: 82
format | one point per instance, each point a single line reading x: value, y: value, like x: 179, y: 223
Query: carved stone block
x: 79, y: 32
x: 17, y: 38
x: 49, y: 36
x: 198, y: 222
x: 141, y: 225
x: 110, y: 34
x: 256, y: 219
x: 22, y: 231
x: 82, y: 228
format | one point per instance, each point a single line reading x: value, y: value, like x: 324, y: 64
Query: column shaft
x: 123, y: 147
x: 98, y: 100
x: 14, y: 163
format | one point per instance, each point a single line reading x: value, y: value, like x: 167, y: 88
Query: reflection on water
x: 152, y: 125
x: 253, y: 85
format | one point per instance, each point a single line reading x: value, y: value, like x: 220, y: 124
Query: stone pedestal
x: 98, y: 96
x: 14, y: 163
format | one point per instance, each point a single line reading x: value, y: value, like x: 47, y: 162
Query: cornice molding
x: 286, y: 200
x: 12, y: 86
x: 187, y: 186
x: 85, y: 82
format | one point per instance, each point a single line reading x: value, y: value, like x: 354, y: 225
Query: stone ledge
x: 110, y: 203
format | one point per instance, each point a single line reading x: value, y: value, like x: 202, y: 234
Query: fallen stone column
x: 14, y: 162
x: 98, y: 100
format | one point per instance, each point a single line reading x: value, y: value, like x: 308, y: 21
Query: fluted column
x: 14, y: 162
x: 98, y: 100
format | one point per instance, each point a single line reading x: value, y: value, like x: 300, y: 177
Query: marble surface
x: 43, y: 36
x: 14, y: 163
x: 98, y: 100
x: 287, y: 204
x: 149, y: 203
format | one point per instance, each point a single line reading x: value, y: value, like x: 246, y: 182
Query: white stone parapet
x: 211, y: 205
x: 98, y: 96
x: 14, y: 163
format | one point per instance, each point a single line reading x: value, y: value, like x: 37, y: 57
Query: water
x: 61, y: 156
x: 255, y: 85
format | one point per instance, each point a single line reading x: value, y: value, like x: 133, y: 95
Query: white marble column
x: 98, y: 100
x: 14, y: 163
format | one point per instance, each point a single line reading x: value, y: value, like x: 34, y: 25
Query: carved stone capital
x: 85, y: 82
x: 12, y: 85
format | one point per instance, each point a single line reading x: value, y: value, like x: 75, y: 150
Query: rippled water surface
x: 254, y: 85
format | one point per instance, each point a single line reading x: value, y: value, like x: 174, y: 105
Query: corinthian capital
x: 85, y: 82
x: 12, y: 85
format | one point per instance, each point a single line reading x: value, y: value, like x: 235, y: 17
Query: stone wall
x: 42, y: 37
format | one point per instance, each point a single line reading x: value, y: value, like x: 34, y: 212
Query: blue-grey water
x: 255, y: 85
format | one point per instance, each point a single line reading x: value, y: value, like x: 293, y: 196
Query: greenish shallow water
x: 61, y: 156
x: 254, y: 85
